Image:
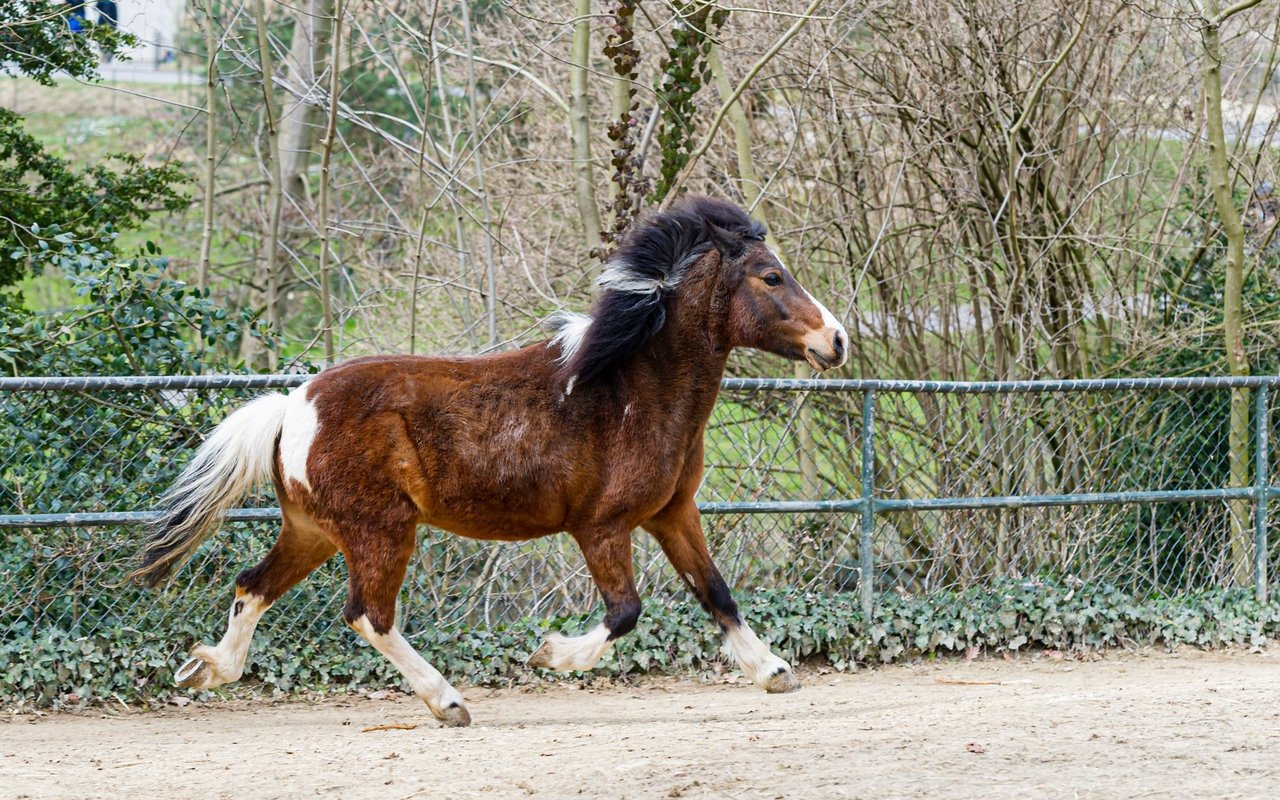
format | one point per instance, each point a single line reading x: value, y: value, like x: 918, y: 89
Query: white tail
x: 238, y: 455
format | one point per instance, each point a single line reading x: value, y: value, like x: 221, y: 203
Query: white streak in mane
x: 617, y: 277
x: 569, y: 329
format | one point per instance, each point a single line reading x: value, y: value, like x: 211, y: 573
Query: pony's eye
x: 773, y: 279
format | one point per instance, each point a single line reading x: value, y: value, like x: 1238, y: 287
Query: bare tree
x: 1232, y: 304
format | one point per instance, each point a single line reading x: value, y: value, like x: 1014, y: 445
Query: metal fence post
x: 866, y: 582
x: 1262, y: 486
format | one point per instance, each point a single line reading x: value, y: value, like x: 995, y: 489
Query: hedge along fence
x: 1067, y: 514
x: 127, y: 664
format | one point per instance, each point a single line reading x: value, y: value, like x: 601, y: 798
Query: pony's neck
x: 688, y: 356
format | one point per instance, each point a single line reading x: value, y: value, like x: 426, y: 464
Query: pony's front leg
x: 679, y: 530
x: 609, y: 559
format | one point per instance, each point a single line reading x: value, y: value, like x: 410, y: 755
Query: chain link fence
x: 810, y: 486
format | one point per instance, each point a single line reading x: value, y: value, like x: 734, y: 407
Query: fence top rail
x: 282, y: 381
x: 1001, y: 387
x: 172, y: 382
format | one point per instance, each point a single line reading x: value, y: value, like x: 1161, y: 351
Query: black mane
x: 655, y: 253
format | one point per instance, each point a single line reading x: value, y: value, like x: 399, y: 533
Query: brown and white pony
x: 596, y: 431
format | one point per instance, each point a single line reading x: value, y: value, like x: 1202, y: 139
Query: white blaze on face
x: 296, y: 436
x: 823, y: 339
x: 832, y: 330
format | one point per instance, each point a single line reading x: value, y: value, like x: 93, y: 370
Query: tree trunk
x: 1232, y: 305
x: 748, y: 183
x: 308, y: 60
x: 271, y: 267
x: 210, y: 143
x: 326, y: 182
x: 486, y: 214
x: 580, y: 124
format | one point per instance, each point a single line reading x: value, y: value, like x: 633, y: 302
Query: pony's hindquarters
x: 377, y: 541
x: 238, y: 454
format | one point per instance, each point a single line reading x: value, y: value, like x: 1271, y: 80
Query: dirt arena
x: 1126, y: 725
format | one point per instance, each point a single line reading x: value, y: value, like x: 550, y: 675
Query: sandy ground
x: 1190, y: 725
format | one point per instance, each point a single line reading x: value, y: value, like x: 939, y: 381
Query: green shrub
x: 135, y: 664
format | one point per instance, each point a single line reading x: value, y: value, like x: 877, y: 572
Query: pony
x: 596, y: 431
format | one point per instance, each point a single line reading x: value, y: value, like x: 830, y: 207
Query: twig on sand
x: 371, y: 728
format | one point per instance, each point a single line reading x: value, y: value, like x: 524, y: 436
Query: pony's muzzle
x: 827, y: 349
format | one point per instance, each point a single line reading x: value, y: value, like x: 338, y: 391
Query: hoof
x: 203, y: 671
x: 782, y: 682
x: 542, y: 656
x: 195, y: 673
x: 455, y: 716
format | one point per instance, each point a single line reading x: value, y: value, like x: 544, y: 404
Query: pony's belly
x: 489, y: 497
x: 491, y: 526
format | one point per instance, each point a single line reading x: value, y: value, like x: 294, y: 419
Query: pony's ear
x: 730, y: 244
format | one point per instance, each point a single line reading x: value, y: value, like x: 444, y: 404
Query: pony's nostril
x: 838, y: 344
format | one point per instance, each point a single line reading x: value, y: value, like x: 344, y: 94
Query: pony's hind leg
x: 376, y: 563
x: 609, y: 559
x: 679, y: 531
x: 301, y: 548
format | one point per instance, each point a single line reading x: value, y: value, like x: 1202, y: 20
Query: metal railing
x: 808, y: 483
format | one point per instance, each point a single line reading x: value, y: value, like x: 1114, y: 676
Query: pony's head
x: 768, y: 308
x: 699, y: 240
